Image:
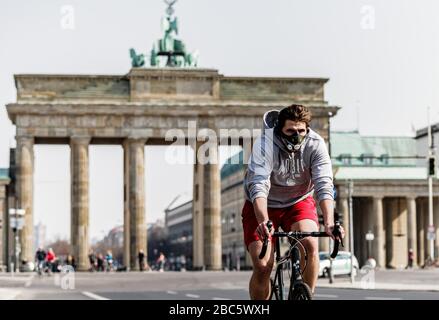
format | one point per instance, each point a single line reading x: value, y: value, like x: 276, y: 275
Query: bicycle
x: 40, y: 266
x: 298, y: 289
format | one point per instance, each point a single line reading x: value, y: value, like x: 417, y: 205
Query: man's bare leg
x: 312, y: 247
x: 259, y: 286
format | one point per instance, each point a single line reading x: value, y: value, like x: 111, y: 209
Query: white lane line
x: 9, y: 294
x: 171, y: 292
x: 195, y: 296
x: 318, y: 295
x: 29, y: 281
x: 93, y: 296
x: 382, y: 298
x: 216, y: 298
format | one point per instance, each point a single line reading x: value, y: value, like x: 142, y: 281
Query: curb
x: 380, y: 286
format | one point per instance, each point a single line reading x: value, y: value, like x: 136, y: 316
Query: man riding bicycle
x: 40, y: 257
x: 288, y: 164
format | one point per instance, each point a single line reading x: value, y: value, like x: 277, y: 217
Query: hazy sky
x: 382, y: 58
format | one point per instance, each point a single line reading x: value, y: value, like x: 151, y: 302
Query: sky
x: 382, y: 59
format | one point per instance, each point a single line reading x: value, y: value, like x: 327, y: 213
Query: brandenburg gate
x: 135, y: 110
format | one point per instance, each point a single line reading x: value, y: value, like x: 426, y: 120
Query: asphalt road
x: 168, y: 286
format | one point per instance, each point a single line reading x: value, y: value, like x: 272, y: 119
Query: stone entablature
x: 154, y: 84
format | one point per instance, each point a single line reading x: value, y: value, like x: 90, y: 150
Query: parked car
x: 341, y: 265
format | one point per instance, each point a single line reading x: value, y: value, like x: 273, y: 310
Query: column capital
x: 25, y: 140
x: 83, y: 140
x: 377, y: 197
x: 411, y: 197
x: 135, y: 140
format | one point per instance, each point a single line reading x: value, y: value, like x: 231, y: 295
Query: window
x: 345, y: 159
x: 367, y: 159
x: 385, y: 159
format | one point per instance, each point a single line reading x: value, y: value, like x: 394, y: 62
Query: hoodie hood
x: 270, y: 119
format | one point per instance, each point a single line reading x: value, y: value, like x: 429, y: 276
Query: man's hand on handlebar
x: 330, y: 228
x: 263, y: 231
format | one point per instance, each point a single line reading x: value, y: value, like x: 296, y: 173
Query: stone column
x: 197, y: 212
x: 426, y: 218
x: 343, y: 208
x: 378, y: 230
x: 420, y: 230
x: 3, y: 226
x: 24, y: 190
x: 436, y: 225
x: 79, y: 170
x: 135, y: 191
x: 411, y: 227
x: 126, y: 208
x: 212, y: 211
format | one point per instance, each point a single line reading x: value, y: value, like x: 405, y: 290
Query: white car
x: 341, y: 265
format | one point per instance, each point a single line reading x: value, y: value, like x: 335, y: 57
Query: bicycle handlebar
x: 265, y: 244
x: 298, y: 234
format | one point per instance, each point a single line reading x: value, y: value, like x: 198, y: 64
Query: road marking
x: 9, y: 294
x: 93, y: 296
x: 216, y: 298
x: 192, y: 296
x: 382, y: 298
x: 318, y: 295
x: 171, y: 292
x: 29, y: 281
x: 14, y: 278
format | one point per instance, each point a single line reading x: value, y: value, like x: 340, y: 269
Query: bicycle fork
x: 295, y: 266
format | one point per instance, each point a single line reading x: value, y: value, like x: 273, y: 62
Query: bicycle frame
x: 293, y: 256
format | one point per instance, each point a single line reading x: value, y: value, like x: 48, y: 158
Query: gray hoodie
x: 285, y: 178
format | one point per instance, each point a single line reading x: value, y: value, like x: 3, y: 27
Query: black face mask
x: 293, y: 142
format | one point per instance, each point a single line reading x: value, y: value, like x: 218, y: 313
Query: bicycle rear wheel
x: 301, y: 291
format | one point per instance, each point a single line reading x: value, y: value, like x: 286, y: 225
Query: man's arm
x: 258, y: 181
x: 327, y: 207
x: 261, y: 213
x: 321, y: 173
x: 259, y: 169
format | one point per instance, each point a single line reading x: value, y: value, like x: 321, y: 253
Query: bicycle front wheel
x: 300, y: 291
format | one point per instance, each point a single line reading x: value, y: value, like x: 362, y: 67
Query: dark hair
x: 295, y: 112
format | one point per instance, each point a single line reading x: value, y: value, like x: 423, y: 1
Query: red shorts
x: 283, y: 217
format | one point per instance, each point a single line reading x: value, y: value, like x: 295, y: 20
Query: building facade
x: 179, y: 229
x: 4, y: 219
x: 389, y: 196
x: 39, y: 236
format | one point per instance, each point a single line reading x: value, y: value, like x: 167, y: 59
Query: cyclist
x: 40, y: 256
x: 289, y: 162
x: 50, y: 260
x: 109, y: 260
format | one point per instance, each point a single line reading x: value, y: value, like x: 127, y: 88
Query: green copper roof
x: 380, y: 173
x: 232, y: 165
x: 4, y: 173
x: 345, y: 144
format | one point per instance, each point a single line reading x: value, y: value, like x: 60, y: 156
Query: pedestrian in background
x: 141, y: 257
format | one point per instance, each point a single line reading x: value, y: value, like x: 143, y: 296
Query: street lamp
x: 16, y: 220
x: 369, y: 238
